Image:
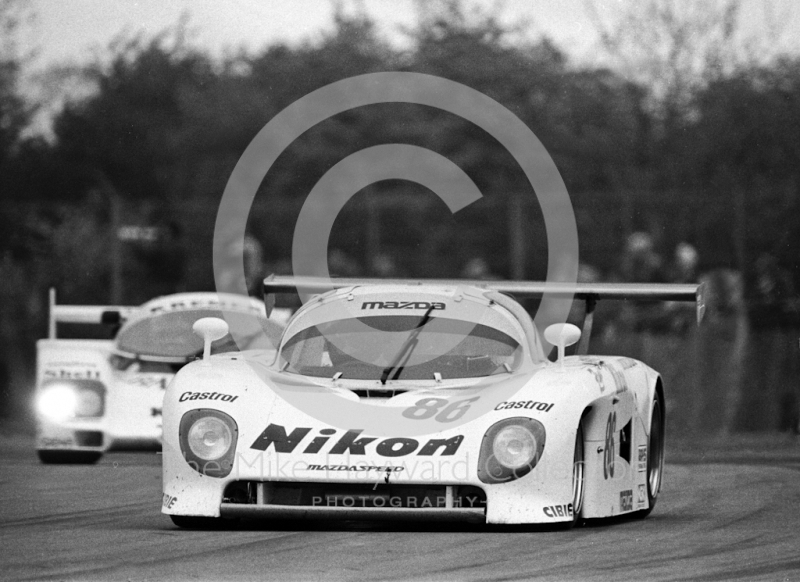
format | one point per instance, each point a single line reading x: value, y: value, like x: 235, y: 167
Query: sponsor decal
x: 642, y: 499
x: 525, y: 404
x: 641, y: 465
x: 190, y: 304
x: 626, y: 500
x: 55, y: 442
x: 380, y: 469
x: 558, y: 510
x: 619, y: 379
x: 282, y: 441
x: 426, y: 469
x: 168, y: 501
x: 597, y: 372
x: 206, y: 396
x: 61, y: 374
x: 147, y: 381
x: 401, y: 305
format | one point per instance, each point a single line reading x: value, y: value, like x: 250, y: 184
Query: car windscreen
x: 404, y: 347
x: 169, y: 337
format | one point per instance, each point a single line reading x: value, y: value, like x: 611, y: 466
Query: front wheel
x: 578, y: 477
x: 50, y: 457
x: 655, y: 454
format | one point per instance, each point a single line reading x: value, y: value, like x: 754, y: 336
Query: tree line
x: 153, y: 144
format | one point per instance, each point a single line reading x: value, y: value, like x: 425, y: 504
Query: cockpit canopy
x: 374, y: 334
x: 162, y: 330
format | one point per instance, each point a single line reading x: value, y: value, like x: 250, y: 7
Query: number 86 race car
x: 429, y: 400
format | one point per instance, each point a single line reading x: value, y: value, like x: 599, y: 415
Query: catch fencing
x: 721, y: 377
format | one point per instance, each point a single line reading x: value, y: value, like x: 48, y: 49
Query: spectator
x: 640, y: 262
x: 681, y: 317
x: 250, y: 253
x: 340, y: 264
x: 478, y: 269
x: 773, y: 301
x: 383, y: 266
x: 684, y: 267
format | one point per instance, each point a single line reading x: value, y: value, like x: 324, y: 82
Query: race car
x: 425, y: 400
x: 97, y: 395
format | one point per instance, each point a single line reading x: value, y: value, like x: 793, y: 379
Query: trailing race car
x: 422, y: 400
x: 97, y: 395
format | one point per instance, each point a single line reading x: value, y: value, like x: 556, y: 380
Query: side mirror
x: 210, y: 329
x: 562, y: 335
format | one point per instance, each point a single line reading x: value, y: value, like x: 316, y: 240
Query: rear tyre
x: 655, y: 454
x: 578, y: 477
x: 69, y: 457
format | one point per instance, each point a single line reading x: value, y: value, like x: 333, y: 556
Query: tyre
x: 578, y: 476
x: 655, y: 454
x: 69, y: 457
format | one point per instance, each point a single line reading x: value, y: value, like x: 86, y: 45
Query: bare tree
x: 14, y: 113
x: 672, y: 47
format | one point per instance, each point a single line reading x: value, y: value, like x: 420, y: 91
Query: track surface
x: 725, y: 515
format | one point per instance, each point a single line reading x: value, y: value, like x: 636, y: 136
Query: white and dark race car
x: 97, y: 395
x: 428, y: 400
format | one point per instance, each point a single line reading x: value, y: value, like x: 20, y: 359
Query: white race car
x: 96, y: 395
x: 421, y: 400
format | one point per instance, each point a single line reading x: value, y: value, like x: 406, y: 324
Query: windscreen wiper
x: 405, y: 351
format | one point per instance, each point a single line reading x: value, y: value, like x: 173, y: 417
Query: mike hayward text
x: 278, y: 466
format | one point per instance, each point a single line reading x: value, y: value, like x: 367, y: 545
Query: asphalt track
x: 726, y: 514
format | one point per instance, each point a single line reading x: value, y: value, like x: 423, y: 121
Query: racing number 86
x: 429, y: 407
x: 609, y: 452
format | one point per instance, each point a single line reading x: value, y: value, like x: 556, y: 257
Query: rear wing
x: 86, y: 314
x: 590, y: 293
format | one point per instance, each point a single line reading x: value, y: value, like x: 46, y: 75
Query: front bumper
x: 247, y: 494
x: 320, y: 500
x: 93, y: 435
x: 234, y: 510
x: 71, y: 436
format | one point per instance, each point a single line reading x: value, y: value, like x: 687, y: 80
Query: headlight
x: 208, y: 441
x: 510, y: 449
x: 58, y: 402
x: 210, y: 438
x: 74, y: 399
x: 514, y: 446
